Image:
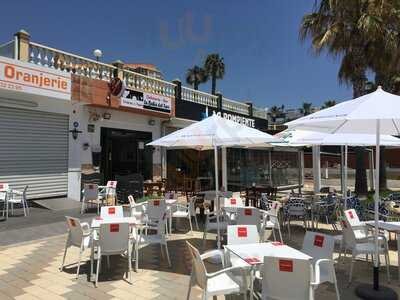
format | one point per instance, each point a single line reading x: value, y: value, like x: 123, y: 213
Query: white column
x: 74, y: 153
x: 224, y: 168
x: 316, y: 158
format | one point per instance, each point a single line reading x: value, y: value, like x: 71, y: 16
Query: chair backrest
x: 349, y: 237
x: 198, y: 269
x: 274, y: 208
x: 114, y: 237
x: 249, y: 216
x: 352, y: 217
x: 131, y: 200
x: 296, y: 206
x: 169, y: 195
x: 4, y: 187
x: 112, y: 212
x: 286, y: 278
x: 155, y: 208
x: 75, y: 231
x: 112, y: 184
x: 318, y: 245
x: 192, y: 205
x: 232, y: 201
x: 91, y: 191
x: 236, y: 195
x: 242, y: 234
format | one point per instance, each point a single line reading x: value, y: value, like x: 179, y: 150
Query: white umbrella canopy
x: 377, y: 112
x: 298, y: 137
x: 355, y: 116
x: 213, y: 132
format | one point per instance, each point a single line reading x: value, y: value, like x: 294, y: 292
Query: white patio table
x: 391, y: 227
x: 95, y: 226
x: 253, y: 254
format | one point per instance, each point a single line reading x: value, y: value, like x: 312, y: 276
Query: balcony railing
x: 260, y: 113
x: 235, y: 106
x: 145, y: 83
x: 71, y: 63
x: 189, y: 94
x: 68, y: 62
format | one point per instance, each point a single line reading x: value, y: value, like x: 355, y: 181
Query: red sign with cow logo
x: 111, y: 210
x: 248, y: 212
x: 156, y: 202
x: 233, y: 201
x: 319, y: 241
x: 114, y: 227
x: 285, y: 265
x: 242, y: 231
x: 351, y: 216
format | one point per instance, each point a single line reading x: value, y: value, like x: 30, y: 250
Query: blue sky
x: 265, y: 61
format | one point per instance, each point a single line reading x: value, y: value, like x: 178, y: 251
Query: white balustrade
x: 235, y: 106
x: 60, y: 60
x: 145, y: 83
x: 189, y: 94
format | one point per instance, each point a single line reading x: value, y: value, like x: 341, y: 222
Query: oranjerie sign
x: 25, y: 77
x: 139, y: 100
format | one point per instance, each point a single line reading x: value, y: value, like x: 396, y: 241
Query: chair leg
x: 166, y: 251
x: 351, y: 268
x: 387, y: 262
x: 98, y: 266
x: 190, y: 286
x: 79, y: 261
x: 197, y: 223
x: 280, y: 234
x: 137, y: 258
x: 273, y: 234
x: 130, y: 265
x: 83, y: 206
x: 108, y: 261
x: 204, y: 239
x: 190, y: 223
x: 65, y: 254
x: 336, y: 286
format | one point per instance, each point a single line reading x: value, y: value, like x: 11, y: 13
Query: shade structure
x: 212, y: 133
x: 215, y: 131
x: 298, y: 137
x: 375, y: 113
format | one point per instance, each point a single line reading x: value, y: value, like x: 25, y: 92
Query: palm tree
x: 354, y: 31
x: 196, y: 76
x: 328, y: 103
x: 275, y: 112
x: 306, y: 108
x: 215, y: 68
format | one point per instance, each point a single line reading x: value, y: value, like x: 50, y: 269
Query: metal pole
x: 376, y: 262
x: 216, y: 195
x: 346, y: 150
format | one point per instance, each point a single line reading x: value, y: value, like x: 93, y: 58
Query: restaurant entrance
x: 124, y: 152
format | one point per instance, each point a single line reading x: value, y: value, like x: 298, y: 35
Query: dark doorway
x: 124, y: 152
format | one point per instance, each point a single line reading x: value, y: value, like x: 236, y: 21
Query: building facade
x: 66, y: 117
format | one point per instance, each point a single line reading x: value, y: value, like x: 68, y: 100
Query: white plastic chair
x: 186, y: 212
x: 271, y: 220
x: 222, y: 282
x: 365, y: 247
x: 110, y: 190
x: 78, y: 236
x: 137, y: 210
x: 286, y: 279
x: 211, y: 223
x: 4, y: 196
x: 111, y: 212
x: 250, y: 216
x: 18, y: 197
x: 321, y: 247
x: 90, y: 195
x: 237, y: 235
x: 142, y: 239
x: 114, y: 239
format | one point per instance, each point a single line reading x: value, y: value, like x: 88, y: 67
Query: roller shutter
x: 34, y: 151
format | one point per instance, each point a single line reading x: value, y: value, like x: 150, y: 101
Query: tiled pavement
x: 31, y: 271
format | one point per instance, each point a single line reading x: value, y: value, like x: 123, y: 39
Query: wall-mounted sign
x: 197, y: 112
x: 135, y: 99
x: 25, y: 77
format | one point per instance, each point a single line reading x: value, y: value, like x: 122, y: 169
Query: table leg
x: 398, y: 255
x: 252, y: 276
x: 91, y: 258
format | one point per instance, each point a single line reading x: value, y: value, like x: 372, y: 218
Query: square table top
x: 96, y: 222
x: 253, y: 254
x: 389, y: 226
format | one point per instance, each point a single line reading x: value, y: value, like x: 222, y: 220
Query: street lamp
x: 97, y: 53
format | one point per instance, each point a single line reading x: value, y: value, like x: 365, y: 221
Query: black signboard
x: 197, y: 112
